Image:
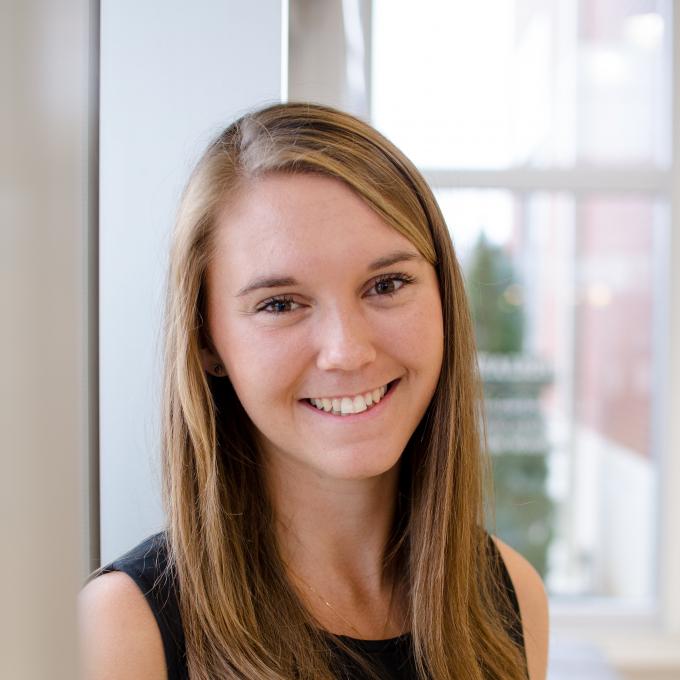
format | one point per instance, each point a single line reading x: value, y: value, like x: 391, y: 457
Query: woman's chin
x: 355, y: 467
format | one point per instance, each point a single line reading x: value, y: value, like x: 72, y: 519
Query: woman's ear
x: 212, y: 364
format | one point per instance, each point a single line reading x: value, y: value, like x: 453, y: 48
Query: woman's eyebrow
x: 267, y: 282
x: 283, y: 281
x: 393, y: 258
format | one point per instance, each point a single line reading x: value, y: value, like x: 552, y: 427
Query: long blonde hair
x: 241, y: 617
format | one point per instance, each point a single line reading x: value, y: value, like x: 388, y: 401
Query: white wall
x: 172, y: 75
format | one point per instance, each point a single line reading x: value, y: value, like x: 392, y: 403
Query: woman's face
x: 312, y: 296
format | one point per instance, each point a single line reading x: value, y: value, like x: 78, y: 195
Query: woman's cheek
x: 422, y: 328
x: 262, y: 363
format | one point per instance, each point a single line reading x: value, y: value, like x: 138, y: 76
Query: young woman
x: 324, y: 474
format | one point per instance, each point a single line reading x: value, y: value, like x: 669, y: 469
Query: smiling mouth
x: 347, y: 406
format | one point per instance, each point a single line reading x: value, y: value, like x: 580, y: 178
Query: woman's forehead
x: 301, y: 220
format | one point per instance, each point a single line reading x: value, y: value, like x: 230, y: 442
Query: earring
x: 217, y: 368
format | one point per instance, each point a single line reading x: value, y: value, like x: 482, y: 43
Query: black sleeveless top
x: 146, y: 563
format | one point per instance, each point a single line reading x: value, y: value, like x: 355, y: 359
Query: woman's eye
x: 279, y: 305
x: 389, y: 285
x: 385, y: 286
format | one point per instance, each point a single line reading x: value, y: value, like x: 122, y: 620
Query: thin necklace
x: 337, y: 613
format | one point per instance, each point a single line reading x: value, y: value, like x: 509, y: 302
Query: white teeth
x: 359, y: 404
x: 348, y: 405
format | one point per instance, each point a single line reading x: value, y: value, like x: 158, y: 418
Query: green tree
x: 512, y: 384
x: 495, y: 298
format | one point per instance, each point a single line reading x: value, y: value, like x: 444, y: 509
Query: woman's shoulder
x: 118, y: 631
x: 533, y: 605
x: 128, y: 616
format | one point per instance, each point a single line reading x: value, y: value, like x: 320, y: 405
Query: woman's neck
x: 332, y: 536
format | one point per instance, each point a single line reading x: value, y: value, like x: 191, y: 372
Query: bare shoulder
x: 119, y: 637
x: 533, y: 605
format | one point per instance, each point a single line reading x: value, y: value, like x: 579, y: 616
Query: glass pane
x: 566, y: 295
x: 540, y: 83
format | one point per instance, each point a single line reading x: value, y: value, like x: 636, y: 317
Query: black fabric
x: 391, y: 658
x: 146, y: 565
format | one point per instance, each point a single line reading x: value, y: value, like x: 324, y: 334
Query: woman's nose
x: 345, y: 342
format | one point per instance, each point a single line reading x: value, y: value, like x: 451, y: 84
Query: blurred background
x: 546, y: 128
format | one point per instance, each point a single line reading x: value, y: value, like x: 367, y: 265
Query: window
x: 546, y: 133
